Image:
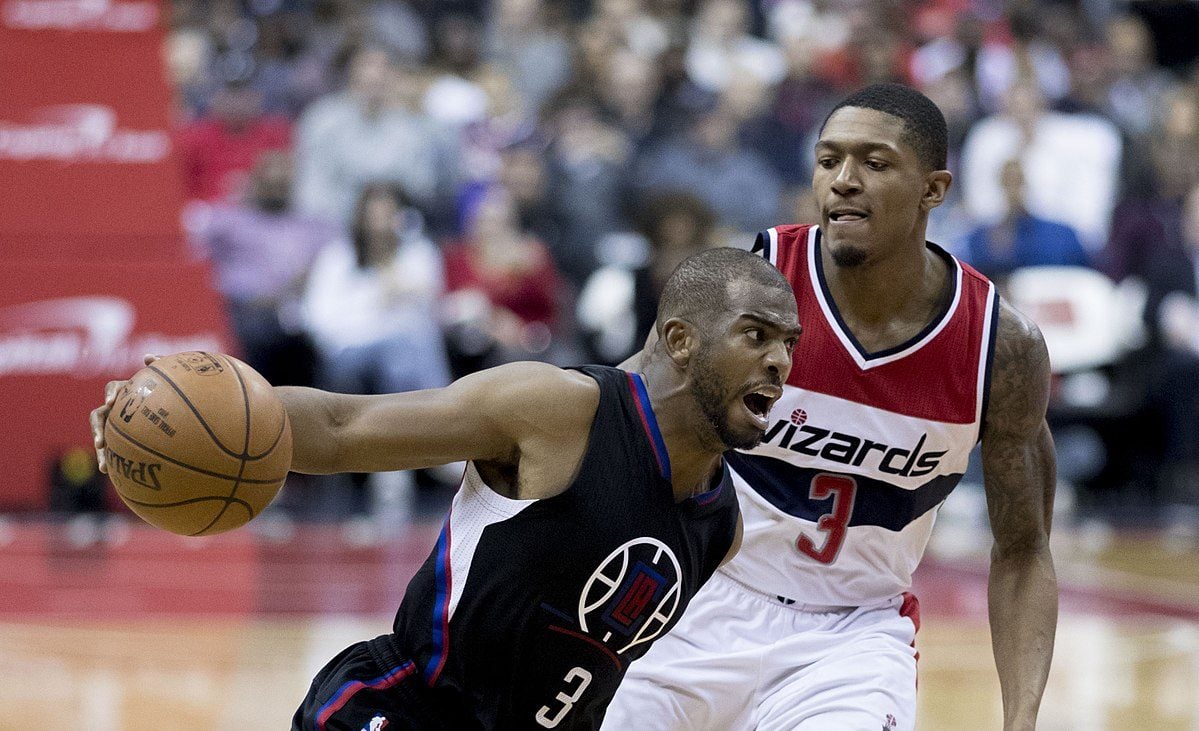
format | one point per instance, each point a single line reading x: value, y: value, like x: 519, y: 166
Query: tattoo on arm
x: 1018, y: 457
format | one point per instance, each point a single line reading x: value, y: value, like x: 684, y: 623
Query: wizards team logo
x: 633, y: 595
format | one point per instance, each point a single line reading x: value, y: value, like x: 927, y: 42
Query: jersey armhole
x: 989, y: 358
x: 762, y: 245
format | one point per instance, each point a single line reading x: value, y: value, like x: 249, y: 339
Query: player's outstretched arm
x: 490, y: 416
x: 1019, y: 469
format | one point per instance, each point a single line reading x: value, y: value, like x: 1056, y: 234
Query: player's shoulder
x: 1016, y: 333
x: 541, y: 392
x: 1020, y: 372
x: 537, y: 377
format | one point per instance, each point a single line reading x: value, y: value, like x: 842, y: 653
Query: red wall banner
x: 68, y: 329
x: 86, y: 162
x: 93, y: 270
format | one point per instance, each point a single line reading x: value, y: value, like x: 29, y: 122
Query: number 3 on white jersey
x: 834, y: 523
x: 567, y: 701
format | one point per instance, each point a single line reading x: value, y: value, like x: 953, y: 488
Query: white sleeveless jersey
x: 863, y: 448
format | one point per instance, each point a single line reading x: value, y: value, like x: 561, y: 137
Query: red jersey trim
x: 865, y: 359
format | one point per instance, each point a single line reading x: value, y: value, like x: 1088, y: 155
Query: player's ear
x: 679, y: 340
x: 936, y: 185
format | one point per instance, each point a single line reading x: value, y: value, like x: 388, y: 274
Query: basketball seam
x: 191, y: 501
x: 193, y: 468
x: 278, y: 438
x: 221, y: 446
x: 245, y: 451
x: 196, y: 412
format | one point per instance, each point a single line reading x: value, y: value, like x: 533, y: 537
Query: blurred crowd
x: 393, y: 193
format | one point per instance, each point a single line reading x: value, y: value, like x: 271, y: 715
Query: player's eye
x: 876, y: 164
x: 754, y: 333
x: 827, y: 163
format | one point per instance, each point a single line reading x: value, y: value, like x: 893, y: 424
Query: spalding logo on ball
x: 197, y: 443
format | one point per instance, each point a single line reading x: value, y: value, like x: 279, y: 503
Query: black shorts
x: 367, y: 687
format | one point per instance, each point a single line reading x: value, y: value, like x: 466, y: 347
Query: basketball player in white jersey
x: 908, y: 358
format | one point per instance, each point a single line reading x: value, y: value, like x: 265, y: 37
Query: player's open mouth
x: 759, y: 401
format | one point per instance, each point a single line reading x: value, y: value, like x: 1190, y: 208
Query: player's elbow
x: 1029, y: 545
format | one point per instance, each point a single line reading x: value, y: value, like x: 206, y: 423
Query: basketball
x: 197, y: 443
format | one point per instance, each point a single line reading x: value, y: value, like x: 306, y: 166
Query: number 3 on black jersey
x: 567, y: 701
x: 833, y: 524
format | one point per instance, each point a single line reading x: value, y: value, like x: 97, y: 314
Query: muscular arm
x: 489, y: 416
x: 1019, y: 470
x: 498, y: 418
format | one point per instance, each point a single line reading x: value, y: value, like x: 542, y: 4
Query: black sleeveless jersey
x: 528, y: 612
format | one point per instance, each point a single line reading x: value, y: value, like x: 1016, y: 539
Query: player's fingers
x: 110, y: 393
x: 149, y: 358
x: 98, y: 417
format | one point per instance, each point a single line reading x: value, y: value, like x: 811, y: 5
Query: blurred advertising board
x: 93, y: 269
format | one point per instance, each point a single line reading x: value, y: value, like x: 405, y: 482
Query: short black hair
x: 924, y: 124
x: 698, y: 288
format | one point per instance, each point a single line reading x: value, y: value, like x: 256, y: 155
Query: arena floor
x: 148, y: 631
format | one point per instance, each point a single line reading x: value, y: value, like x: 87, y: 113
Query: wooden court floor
x: 148, y: 631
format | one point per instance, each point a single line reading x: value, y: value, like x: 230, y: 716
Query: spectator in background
x: 1019, y: 53
x: 802, y: 101
x: 371, y: 304
x: 588, y: 168
x: 1147, y: 227
x: 618, y: 305
x: 288, y: 76
x: 1020, y: 239
x: 369, y: 133
x: 526, y: 38
x: 1173, y: 305
x: 632, y: 86
x: 504, y: 293
x: 1175, y: 146
x: 1070, y: 162
x: 218, y: 151
x: 474, y: 101
x: 820, y: 24
x: 676, y: 225
x: 722, y: 49
x: 371, y: 307
x: 457, y: 95
x: 710, y: 163
x: 1138, y: 87
x: 261, y: 251
x: 524, y: 174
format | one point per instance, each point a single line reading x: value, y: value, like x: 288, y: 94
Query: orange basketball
x: 197, y: 443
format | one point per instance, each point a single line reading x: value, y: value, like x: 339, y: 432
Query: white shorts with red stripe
x: 740, y: 659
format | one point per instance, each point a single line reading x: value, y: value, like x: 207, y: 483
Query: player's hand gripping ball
x: 197, y: 443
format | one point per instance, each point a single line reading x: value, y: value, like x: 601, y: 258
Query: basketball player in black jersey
x: 595, y: 504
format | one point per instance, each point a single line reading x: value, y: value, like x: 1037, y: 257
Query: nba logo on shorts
x: 633, y: 595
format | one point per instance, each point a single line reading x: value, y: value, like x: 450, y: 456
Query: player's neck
x: 694, y: 454
x: 896, y: 286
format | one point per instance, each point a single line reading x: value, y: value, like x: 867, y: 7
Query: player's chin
x: 849, y: 253
x: 743, y: 439
x: 738, y: 435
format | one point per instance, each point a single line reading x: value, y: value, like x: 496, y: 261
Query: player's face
x: 869, y: 185
x: 739, y: 369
